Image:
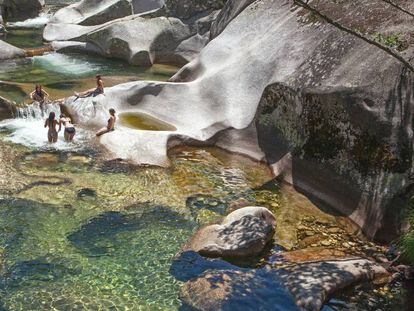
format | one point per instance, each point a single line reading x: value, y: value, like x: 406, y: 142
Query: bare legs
x: 102, y: 131
x: 52, y: 137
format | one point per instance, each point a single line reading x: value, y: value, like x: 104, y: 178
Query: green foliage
x: 407, y: 241
x: 408, y: 247
x: 396, y: 41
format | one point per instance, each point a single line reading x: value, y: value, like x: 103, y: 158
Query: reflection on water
x: 142, y: 121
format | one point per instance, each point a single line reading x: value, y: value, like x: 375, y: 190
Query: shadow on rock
x: 189, y: 264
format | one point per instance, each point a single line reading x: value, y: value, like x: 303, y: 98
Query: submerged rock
x: 97, y: 237
x: 242, y: 234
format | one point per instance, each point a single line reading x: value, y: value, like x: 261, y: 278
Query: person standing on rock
x: 111, y: 124
x: 94, y: 92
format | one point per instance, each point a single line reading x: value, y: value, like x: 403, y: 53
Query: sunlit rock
x: 96, y: 12
x: 336, y: 130
x: 242, y: 233
x: 296, y: 287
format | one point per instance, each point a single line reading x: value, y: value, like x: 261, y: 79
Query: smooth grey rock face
x: 8, y: 51
x: 139, y: 41
x: 92, y: 12
x: 107, y: 27
x: 227, y: 14
x: 300, y: 287
x: 19, y: 10
x: 273, y: 54
x: 242, y: 234
x: 256, y: 211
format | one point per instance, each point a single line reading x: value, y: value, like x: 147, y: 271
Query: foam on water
x: 28, y: 129
x: 66, y: 65
x: 37, y: 22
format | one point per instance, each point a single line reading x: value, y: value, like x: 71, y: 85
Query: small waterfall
x: 37, y: 112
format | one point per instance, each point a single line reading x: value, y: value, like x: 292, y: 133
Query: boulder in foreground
x: 300, y: 287
x: 242, y: 234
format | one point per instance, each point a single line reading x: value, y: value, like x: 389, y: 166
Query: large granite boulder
x: 140, y: 32
x: 19, y: 10
x: 332, y: 108
x: 300, y: 287
x: 227, y: 14
x: 8, y: 51
x: 242, y: 234
x: 96, y: 12
x: 137, y: 40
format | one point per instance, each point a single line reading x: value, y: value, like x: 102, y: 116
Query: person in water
x: 70, y: 130
x: 111, y: 124
x: 51, y: 123
x: 94, y: 92
x: 39, y: 95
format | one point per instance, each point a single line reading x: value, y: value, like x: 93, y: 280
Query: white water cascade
x: 28, y: 128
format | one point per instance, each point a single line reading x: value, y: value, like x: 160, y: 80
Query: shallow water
x: 142, y: 121
x: 81, y: 233
x: 24, y: 37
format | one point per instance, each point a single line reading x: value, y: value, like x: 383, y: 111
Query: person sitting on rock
x: 39, y: 95
x: 111, y: 124
x: 93, y: 92
x: 70, y: 130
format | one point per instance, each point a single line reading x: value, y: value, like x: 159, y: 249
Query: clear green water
x: 80, y: 233
x: 62, y: 75
x: 142, y: 121
x: 24, y: 37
